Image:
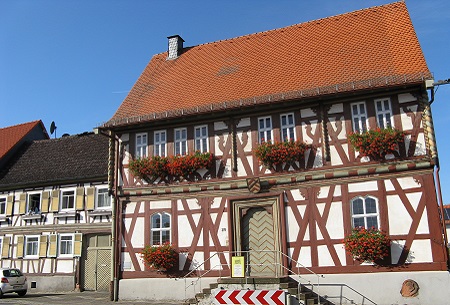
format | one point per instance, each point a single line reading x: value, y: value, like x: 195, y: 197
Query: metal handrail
x: 248, y: 265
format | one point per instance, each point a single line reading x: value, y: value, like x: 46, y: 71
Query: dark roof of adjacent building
x: 12, y: 135
x: 369, y: 48
x: 70, y: 159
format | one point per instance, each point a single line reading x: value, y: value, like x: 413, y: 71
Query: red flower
x: 273, y: 154
x: 376, y: 143
x: 367, y: 244
x: 160, y: 257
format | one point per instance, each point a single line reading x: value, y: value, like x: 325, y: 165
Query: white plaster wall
x: 383, y: 288
x: 184, y: 236
x: 399, y: 218
x: 137, y: 239
x: 248, y: 147
x: 64, y: 266
x: 162, y: 204
x: 363, y: 186
x: 163, y: 289
x: 336, y: 108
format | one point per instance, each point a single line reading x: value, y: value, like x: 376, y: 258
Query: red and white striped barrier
x: 250, y: 297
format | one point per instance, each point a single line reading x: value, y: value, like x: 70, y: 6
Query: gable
x: 375, y: 47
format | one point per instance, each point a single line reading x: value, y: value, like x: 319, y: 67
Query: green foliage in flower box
x: 376, y: 143
x: 151, y: 168
x: 273, y: 154
x: 367, y: 244
x: 160, y: 257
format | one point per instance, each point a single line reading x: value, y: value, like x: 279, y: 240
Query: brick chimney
x: 175, y: 46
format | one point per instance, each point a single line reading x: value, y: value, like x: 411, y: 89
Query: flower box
x: 177, y: 167
x: 367, y: 245
x: 160, y: 257
x: 376, y: 143
x: 278, y: 153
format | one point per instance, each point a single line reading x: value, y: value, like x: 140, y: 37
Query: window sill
x: 31, y: 216
x: 65, y: 214
x: 4, y: 218
x: 100, y: 213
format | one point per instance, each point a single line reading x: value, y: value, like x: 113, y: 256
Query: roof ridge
x: 22, y: 124
x: 289, y: 26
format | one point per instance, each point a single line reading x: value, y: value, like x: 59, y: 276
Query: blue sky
x: 73, y: 62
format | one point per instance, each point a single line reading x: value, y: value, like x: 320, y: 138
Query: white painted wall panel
x: 363, y: 186
x: 324, y: 256
x: 185, y: 234
x: 137, y: 239
x: 161, y: 204
x: 406, y: 97
x: 399, y: 218
x: 335, y: 223
x: 421, y: 251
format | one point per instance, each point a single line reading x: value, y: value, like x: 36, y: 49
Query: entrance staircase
x: 296, y: 293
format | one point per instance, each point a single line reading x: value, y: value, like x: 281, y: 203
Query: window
x: 68, y: 200
x: 141, y: 145
x: 359, y: 117
x: 34, y: 203
x: 181, y: 141
x: 160, y: 228
x: 160, y: 143
x: 1, y: 246
x: 287, y: 127
x: 31, y: 245
x: 66, y: 244
x: 2, y: 206
x: 384, y: 113
x: 201, y: 138
x: 447, y: 214
x: 365, y: 212
x: 265, y: 129
x: 103, y: 200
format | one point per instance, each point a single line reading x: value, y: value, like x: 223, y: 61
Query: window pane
x: 379, y: 108
x: 156, y: 238
x: 165, y: 237
x: 2, y: 205
x: 165, y: 221
x: 358, y: 222
x: 386, y: 105
x: 372, y: 222
x: 371, y: 206
x: 355, y: 109
x: 156, y: 221
x: 362, y: 108
x: 358, y: 206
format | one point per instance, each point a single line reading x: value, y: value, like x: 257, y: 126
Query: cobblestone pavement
x: 73, y: 298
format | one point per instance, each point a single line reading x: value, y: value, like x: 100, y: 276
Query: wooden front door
x: 257, y: 236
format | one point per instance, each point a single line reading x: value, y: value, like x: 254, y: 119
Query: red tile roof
x: 10, y: 136
x: 367, y: 48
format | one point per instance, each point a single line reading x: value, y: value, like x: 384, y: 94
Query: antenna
x: 53, y: 128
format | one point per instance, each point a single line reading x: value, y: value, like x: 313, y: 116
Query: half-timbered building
x: 55, y: 213
x: 314, y: 82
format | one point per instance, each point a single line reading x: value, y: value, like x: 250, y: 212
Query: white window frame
x: 201, y: 138
x: 160, y: 229
x: 3, y: 202
x: 287, y: 127
x: 28, y: 208
x: 104, y: 193
x: 265, y: 130
x: 141, y: 145
x: 160, y: 145
x: 1, y: 246
x: 26, y: 246
x: 180, y: 141
x: 60, y: 247
x: 62, y: 199
x: 384, y: 115
x: 359, y: 120
x: 365, y: 214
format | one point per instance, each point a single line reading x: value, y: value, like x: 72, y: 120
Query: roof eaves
x: 374, y: 83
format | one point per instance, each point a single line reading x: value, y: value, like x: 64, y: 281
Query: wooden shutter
x: 9, y: 205
x: 23, y: 203
x: 52, y: 245
x: 45, y: 201
x: 79, y: 199
x: 90, y: 203
x: 78, y: 237
x: 43, y: 246
x: 55, y: 201
x: 20, y: 246
x: 5, y: 246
